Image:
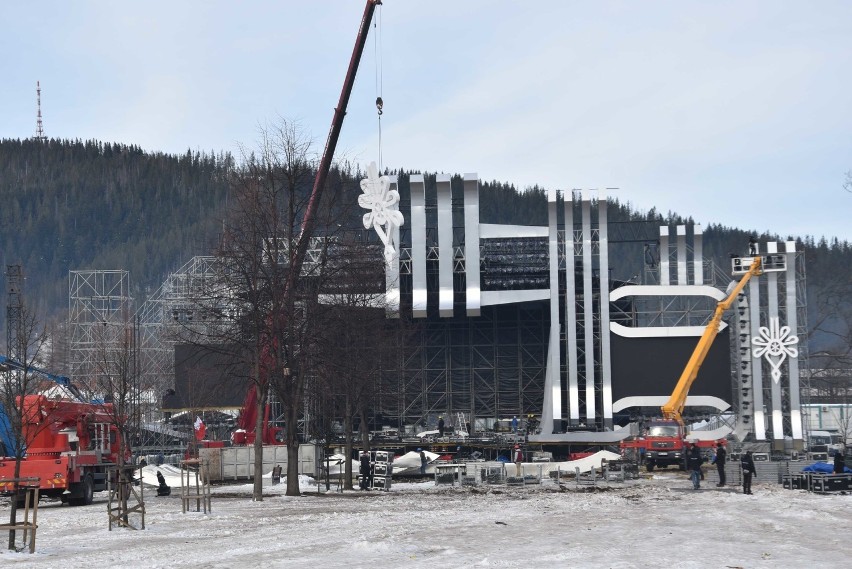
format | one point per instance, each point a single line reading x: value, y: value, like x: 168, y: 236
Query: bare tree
x: 833, y: 322
x: 276, y: 292
x: 18, y: 380
x: 831, y: 329
x: 354, y: 340
x: 116, y: 381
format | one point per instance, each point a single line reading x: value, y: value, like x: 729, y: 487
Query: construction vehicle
x: 7, y: 440
x: 665, y: 440
x: 71, y: 445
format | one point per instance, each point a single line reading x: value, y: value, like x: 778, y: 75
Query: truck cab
x: 661, y: 444
x: 827, y: 442
x: 665, y: 444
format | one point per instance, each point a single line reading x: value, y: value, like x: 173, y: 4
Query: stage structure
x: 164, y: 315
x: 99, y: 317
x: 521, y: 319
x: 772, y: 345
x: 515, y: 320
x: 188, y: 307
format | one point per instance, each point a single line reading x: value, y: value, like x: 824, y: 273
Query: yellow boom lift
x: 673, y: 408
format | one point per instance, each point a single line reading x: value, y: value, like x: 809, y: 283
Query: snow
x: 657, y: 520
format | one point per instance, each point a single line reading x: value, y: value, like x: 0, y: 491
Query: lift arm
x: 8, y: 364
x: 674, y: 406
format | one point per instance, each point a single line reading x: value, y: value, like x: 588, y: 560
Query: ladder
x: 461, y: 424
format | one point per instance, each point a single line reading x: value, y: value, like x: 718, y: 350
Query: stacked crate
x: 382, y: 470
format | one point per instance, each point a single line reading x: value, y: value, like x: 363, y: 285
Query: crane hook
x: 379, y: 104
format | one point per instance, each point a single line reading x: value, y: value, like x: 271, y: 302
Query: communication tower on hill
x: 39, y: 126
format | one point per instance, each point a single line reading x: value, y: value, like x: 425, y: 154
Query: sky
x: 656, y: 521
x: 736, y: 113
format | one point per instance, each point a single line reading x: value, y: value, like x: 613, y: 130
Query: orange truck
x: 664, y: 442
x: 71, y: 448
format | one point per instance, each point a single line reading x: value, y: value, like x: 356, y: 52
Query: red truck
x: 71, y: 447
x: 663, y: 444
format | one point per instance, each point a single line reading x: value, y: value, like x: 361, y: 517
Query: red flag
x: 200, y: 429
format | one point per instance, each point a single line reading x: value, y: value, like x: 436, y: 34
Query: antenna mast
x: 39, y: 127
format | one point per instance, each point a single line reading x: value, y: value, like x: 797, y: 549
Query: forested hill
x: 73, y: 205
x: 89, y: 205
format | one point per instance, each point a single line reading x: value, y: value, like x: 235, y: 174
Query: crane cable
x: 377, y: 54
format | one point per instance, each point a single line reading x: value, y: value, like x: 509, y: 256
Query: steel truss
x: 99, y: 316
x: 487, y: 368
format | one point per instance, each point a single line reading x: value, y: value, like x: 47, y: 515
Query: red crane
x: 297, y: 254
x: 333, y: 135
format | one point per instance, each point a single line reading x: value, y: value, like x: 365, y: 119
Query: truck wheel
x: 87, y: 492
x: 650, y: 466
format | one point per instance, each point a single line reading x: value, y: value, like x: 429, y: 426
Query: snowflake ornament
x: 383, y: 204
x: 775, y: 344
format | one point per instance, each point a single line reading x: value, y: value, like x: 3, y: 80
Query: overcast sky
x: 737, y: 113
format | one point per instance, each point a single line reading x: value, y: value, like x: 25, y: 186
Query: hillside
x: 74, y: 205
x: 92, y: 205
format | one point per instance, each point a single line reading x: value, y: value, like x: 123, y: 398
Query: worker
x: 276, y: 474
x: 440, y: 426
x: 364, y: 470
x: 163, y: 489
x: 518, y: 459
x: 423, y: 461
x: 839, y: 463
x: 752, y: 245
x: 693, y: 464
x: 720, y: 459
x: 514, y: 424
x: 747, y: 463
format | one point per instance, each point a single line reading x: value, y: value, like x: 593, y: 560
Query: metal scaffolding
x: 181, y: 307
x: 99, y: 315
x: 14, y: 307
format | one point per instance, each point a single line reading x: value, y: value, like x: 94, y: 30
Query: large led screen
x: 652, y: 366
x: 206, y: 377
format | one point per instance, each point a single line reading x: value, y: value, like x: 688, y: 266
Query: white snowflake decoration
x: 383, y: 204
x: 775, y: 344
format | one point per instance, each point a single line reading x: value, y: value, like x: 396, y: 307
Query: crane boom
x: 333, y: 135
x: 8, y: 364
x: 673, y: 408
x: 298, y: 253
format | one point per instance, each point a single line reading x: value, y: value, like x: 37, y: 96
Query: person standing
x: 720, y: 460
x: 364, y: 470
x: 515, y: 424
x: 424, y: 460
x: 518, y: 459
x: 440, y: 426
x: 276, y: 474
x: 839, y: 463
x: 747, y: 463
x: 693, y: 464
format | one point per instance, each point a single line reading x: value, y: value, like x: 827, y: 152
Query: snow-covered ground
x: 659, y: 521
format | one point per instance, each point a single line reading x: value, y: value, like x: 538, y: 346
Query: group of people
x: 695, y: 459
